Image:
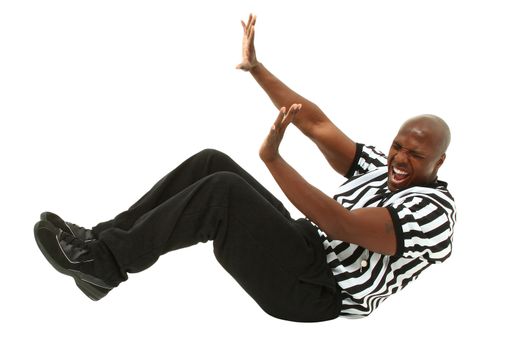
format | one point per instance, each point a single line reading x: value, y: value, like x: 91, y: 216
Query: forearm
x: 337, y: 148
x: 282, y: 96
x: 370, y: 228
x: 313, y: 203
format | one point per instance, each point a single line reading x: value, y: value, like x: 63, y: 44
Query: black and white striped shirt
x: 423, y: 217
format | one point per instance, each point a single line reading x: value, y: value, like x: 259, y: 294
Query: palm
x: 249, y: 59
x: 270, y: 147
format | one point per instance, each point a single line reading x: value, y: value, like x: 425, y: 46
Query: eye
x: 396, y: 146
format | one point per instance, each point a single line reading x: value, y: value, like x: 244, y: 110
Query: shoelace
x: 79, y: 250
x: 72, y: 240
x: 80, y: 229
x: 80, y: 232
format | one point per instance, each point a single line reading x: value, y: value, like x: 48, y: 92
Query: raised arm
x: 371, y: 228
x: 338, y: 149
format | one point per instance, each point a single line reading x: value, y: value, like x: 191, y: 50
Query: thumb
x: 280, y: 116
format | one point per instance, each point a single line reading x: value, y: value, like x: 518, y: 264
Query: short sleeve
x: 366, y: 159
x: 423, y: 229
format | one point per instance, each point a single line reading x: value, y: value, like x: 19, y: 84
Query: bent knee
x: 215, y: 160
x: 226, y: 177
x: 211, y: 153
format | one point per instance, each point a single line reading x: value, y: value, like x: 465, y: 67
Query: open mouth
x: 398, y: 177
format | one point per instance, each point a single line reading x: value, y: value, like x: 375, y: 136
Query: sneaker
x: 85, y: 262
x: 77, y: 231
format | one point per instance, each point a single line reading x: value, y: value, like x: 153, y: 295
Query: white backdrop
x: 99, y: 99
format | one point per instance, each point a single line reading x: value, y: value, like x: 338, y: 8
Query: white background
x: 100, y: 99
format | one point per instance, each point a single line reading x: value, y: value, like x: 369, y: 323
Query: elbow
x: 311, y: 120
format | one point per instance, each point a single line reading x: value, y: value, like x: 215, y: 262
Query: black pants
x: 279, y: 261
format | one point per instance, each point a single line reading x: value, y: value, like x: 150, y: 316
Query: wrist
x: 255, y: 67
x: 272, y: 160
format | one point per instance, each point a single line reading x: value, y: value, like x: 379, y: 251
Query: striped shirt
x: 423, y: 218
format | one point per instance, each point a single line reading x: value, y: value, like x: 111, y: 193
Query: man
x: 390, y: 221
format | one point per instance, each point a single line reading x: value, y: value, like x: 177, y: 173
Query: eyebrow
x: 413, y: 152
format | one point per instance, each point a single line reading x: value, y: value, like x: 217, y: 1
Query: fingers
x: 280, y: 117
x: 285, y: 118
x: 251, y: 33
x: 249, y: 26
x: 289, y: 117
x: 251, y: 20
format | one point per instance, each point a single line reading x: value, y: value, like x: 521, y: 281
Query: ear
x: 440, y: 162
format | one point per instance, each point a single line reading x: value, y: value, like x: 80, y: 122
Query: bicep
x: 371, y: 228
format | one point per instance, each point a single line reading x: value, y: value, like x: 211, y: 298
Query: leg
x: 280, y: 262
x: 200, y: 165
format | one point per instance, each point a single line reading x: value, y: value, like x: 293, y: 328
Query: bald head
x: 417, y: 152
x: 431, y: 127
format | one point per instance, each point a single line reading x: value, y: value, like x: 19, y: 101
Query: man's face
x: 414, y: 157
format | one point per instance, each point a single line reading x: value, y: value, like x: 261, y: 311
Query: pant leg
x: 202, y: 164
x: 279, y: 261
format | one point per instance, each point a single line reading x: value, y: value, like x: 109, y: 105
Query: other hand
x: 269, y: 150
x: 249, y: 59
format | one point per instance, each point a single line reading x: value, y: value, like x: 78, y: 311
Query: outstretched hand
x: 270, y: 148
x: 249, y: 59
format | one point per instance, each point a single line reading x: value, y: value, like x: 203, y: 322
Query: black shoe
x: 73, y: 257
x: 77, y: 231
x: 90, y: 290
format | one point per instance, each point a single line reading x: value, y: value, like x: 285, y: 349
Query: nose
x: 401, y: 156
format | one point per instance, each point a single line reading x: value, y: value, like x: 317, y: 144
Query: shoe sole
x: 50, y: 249
x: 91, y: 291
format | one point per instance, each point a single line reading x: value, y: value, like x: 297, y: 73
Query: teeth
x: 400, y: 172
